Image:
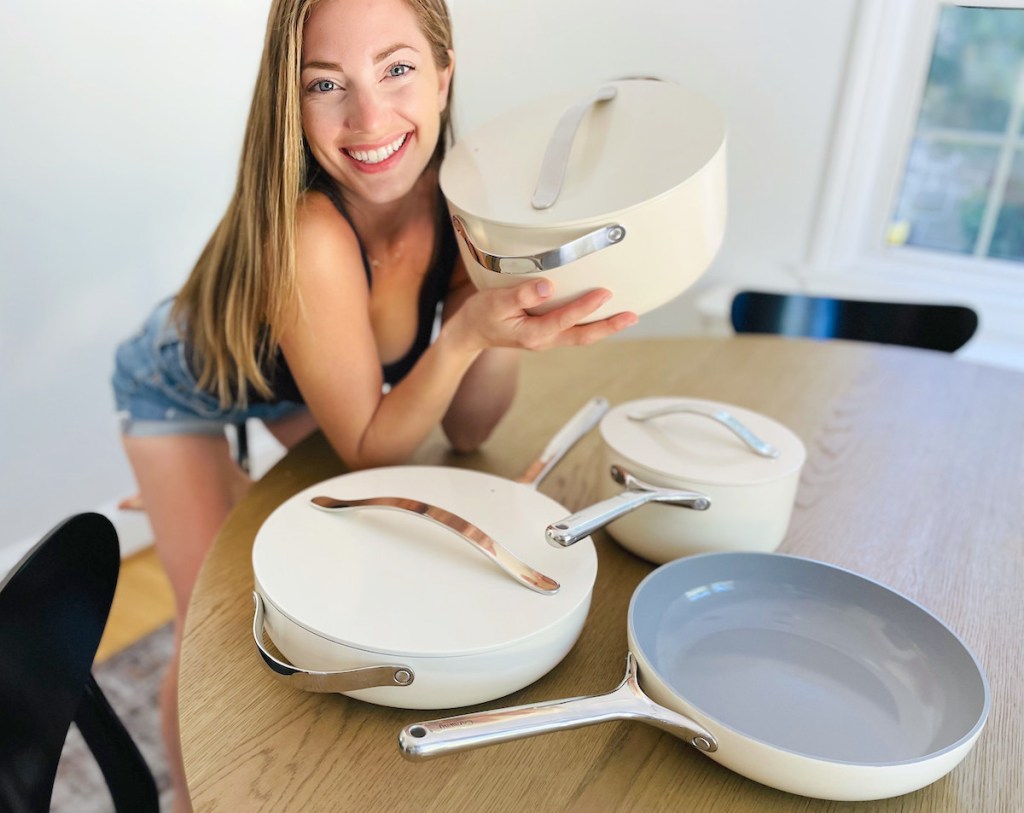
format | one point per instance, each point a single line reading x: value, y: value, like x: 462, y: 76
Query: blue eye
x: 400, y: 69
x: 324, y: 86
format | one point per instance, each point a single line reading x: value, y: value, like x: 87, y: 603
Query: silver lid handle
x: 511, y: 564
x: 726, y: 419
x: 556, y: 158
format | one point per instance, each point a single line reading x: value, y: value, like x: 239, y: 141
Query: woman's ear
x: 444, y: 81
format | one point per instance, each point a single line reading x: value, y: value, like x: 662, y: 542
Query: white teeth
x: 378, y: 155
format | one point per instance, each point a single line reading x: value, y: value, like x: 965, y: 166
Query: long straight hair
x: 242, y: 289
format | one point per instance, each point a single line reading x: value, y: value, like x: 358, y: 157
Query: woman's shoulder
x: 323, y: 234
x: 315, y: 211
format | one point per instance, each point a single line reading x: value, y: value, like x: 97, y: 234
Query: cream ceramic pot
x: 745, y: 464
x: 621, y: 187
x: 402, y: 610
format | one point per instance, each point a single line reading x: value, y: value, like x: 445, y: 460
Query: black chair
x: 53, y: 609
x: 932, y: 326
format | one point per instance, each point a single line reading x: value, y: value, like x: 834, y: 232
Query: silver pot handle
x: 573, y: 528
x: 627, y: 702
x: 346, y: 680
x: 568, y: 436
x: 546, y: 260
x: 556, y: 157
x: 511, y: 564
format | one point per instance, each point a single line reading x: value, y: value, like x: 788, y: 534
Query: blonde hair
x: 242, y: 288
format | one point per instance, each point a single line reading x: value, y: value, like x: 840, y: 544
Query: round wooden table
x: 914, y: 477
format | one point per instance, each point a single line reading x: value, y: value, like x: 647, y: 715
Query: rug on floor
x: 131, y: 681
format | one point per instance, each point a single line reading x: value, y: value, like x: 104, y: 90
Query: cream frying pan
x: 794, y: 673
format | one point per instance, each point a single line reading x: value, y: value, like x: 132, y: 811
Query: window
x: 923, y: 194
x: 925, y: 181
x: 962, y: 187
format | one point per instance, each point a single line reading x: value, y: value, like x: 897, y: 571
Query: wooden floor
x: 143, y: 603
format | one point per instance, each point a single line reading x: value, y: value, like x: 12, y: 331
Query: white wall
x: 122, y: 122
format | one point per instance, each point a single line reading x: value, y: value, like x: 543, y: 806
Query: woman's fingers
x: 595, y: 331
x: 572, y: 313
x: 531, y: 294
x: 561, y: 325
x: 500, y: 318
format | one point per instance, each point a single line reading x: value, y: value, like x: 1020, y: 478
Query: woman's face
x: 371, y: 96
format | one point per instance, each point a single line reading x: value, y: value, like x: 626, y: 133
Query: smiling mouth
x: 378, y: 155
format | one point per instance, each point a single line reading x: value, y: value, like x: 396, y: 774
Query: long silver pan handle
x: 556, y: 157
x: 463, y: 528
x: 345, y: 680
x: 566, y: 437
x: 549, y: 260
x: 577, y: 526
x: 627, y: 702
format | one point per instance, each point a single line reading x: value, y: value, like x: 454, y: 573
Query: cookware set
x: 428, y: 587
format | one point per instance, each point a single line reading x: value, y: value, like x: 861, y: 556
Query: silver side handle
x: 556, y: 157
x: 546, y: 260
x: 346, y: 680
x: 580, y: 525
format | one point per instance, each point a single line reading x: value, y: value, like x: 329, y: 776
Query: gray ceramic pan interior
x: 808, y: 657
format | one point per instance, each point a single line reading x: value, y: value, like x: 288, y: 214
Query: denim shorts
x: 157, y: 394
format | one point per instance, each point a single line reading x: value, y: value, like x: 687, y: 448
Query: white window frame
x: 886, y: 73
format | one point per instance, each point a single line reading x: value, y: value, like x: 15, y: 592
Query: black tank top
x: 433, y: 290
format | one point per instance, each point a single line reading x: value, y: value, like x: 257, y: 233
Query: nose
x: 366, y: 110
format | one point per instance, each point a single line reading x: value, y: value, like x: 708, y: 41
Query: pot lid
x: 397, y: 583
x: 683, y: 444
x: 649, y: 138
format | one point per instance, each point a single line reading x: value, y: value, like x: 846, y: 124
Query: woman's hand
x: 498, y: 318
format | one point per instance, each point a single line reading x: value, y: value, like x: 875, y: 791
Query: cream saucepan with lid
x: 742, y: 468
x: 421, y: 586
x: 620, y: 186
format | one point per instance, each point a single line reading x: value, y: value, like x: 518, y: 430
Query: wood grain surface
x: 914, y: 477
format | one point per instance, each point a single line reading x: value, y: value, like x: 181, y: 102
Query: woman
x: 313, y: 302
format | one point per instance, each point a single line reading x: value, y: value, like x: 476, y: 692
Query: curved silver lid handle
x: 346, y: 680
x: 556, y: 158
x: 511, y: 564
x: 580, y: 525
x: 546, y: 260
x: 726, y: 419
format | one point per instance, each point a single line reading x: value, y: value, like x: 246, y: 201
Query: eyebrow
x: 336, y: 66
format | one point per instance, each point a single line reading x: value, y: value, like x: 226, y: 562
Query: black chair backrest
x: 932, y: 326
x: 53, y: 609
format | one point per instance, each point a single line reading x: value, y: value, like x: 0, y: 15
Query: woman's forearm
x: 482, y: 399
x: 409, y: 412
x: 464, y: 381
